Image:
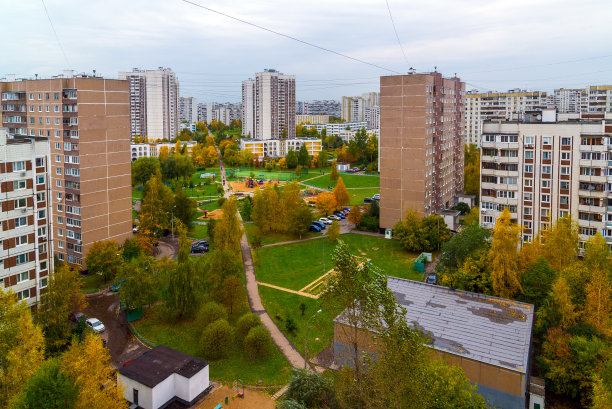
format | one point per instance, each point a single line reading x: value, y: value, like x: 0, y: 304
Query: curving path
x: 281, y: 341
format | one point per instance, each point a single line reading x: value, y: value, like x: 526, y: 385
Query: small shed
x: 470, y: 200
x: 343, y: 167
x: 163, y: 375
x: 451, y: 218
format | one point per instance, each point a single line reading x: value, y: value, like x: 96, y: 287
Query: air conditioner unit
x: 23, y: 210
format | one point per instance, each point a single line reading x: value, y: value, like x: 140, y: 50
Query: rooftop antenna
x: 435, y: 68
x: 94, y: 72
x: 36, y: 75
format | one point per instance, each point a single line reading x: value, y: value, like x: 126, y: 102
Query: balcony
x: 591, y: 223
x: 593, y: 148
x: 594, y: 179
x: 590, y: 208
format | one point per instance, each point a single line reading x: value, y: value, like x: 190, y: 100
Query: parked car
x: 320, y: 224
x: 96, y: 325
x: 333, y: 217
x: 431, y: 279
x: 348, y: 209
x: 314, y: 227
x: 376, y: 196
x: 340, y: 214
x: 367, y: 200
x: 201, y: 247
x: 325, y: 220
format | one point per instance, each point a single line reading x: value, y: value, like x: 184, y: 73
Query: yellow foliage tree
x: 326, y: 203
x: 505, y: 275
x: 21, y: 347
x: 563, y: 302
x: 341, y: 194
x: 529, y: 253
x: 597, y: 255
x: 598, y: 307
x: 560, y: 243
x: 228, y: 229
x: 88, y: 364
x: 163, y: 153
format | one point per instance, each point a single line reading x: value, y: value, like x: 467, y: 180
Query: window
x: 58, y: 146
x: 31, y: 96
x: 43, y: 265
x: 56, y: 108
x: 564, y: 185
x: 21, y: 240
x: 528, y: 210
x: 42, y: 248
x: 40, y: 196
x: 42, y: 231
x: 544, y: 212
x: 40, y: 180
x: 59, y: 195
x: 547, y: 140
x: 587, y: 171
x: 60, y: 220
x: 564, y: 200
x: 565, y: 170
x: 40, y: 162
x: 563, y: 213
x: 19, y: 184
x: 22, y: 259
x: 60, y: 244
x: 42, y: 213
x: 67, y: 146
x: 566, y: 141
x: 57, y: 134
x: 19, y: 166
x: 527, y: 224
x: 545, y: 198
x: 60, y: 232
x: 43, y: 282
x: 59, y: 208
x: 488, y: 219
x: 528, y: 196
x: 529, y: 140
x: 546, y: 183
x: 528, y: 182
x: 60, y: 256
x: 546, y: 155
x: 23, y: 295
x: 20, y: 203
x: 546, y: 168
x: 21, y: 221
x: 58, y: 183
x: 528, y: 168
x: 21, y: 277
x: 528, y: 154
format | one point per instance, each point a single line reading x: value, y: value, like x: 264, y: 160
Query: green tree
x: 303, y: 157
x: 216, y: 339
x: 246, y: 208
x: 21, y: 346
x: 168, y: 168
x: 184, y: 208
x: 300, y: 220
x: 333, y: 176
x: 48, y: 388
x: 505, y: 272
x: 143, y: 169
x: 209, y: 313
x: 229, y: 293
x: 461, y: 246
x: 435, y: 232
x: 310, y: 389
x: 333, y: 232
x: 537, y: 282
x: 62, y: 297
x: 245, y: 323
x: 104, y: 258
x: 292, y: 159
x: 322, y: 159
x: 228, y: 230
x: 258, y: 343
x: 372, y: 148
x: 140, y: 282
x: 157, y: 202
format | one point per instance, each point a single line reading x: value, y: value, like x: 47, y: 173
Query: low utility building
x: 488, y: 337
x: 163, y: 375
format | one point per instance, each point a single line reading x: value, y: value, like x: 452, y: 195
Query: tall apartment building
x: 325, y: 107
x: 480, y: 107
x: 26, y: 251
x: 354, y: 109
x: 160, y: 103
x: 421, y: 144
x: 543, y: 169
x: 268, y: 105
x: 87, y: 123
x: 600, y: 98
x: 188, y: 109
x: 201, y: 112
x: 569, y: 100
x: 372, y: 117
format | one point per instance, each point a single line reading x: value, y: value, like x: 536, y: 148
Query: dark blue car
x: 314, y: 227
x: 318, y: 223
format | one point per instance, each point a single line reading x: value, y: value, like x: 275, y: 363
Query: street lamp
x: 306, y: 339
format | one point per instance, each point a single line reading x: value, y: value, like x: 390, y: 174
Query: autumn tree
x: 228, y: 230
x: 333, y: 176
x: 558, y: 309
x: 157, y: 202
x: 408, y: 233
x: 143, y: 169
x: 322, y: 158
x: 230, y: 292
x: 560, y: 243
x: 104, y: 258
x: 63, y: 296
x: 184, y: 208
x: 472, y: 217
x: 354, y: 215
x: 326, y: 203
x: 504, y: 257
x: 21, y: 346
x: 341, y: 194
x: 300, y: 220
x: 216, y: 339
x: 258, y: 343
x: 48, y: 388
x: 140, y: 282
x: 597, y: 255
x: 333, y: 232
x: 88, y: 364
x: 598, y: 308
x: 471, y: 170
x: 265, y: 204
x: 371, y: 150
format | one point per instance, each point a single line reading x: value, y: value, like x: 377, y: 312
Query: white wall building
x: 337, y: 127
x: 163, y: 375
x: 275, y: 148
x: 26, y: 247
x: 188, y: 109
x: 152, y: 150
x: 161, y: 102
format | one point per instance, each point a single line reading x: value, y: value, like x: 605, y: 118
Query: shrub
x: 209, y: 313
x: 220, y: 201
x: 245, y: 323
x: 258, y: 344
x: 290, y: 325
x: 216, y: 339
x: 369, y: 223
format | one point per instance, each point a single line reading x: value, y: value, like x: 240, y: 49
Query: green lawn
x: 195, y: 178
x: 271, y: 238
x: 185, y: 337
x: 349, y: 180
x: 92, y: 282
x: 281, y: 305
x: 137, y: 194
x: 357, y: 195
x: 199, y: 231
x: 295, y: 265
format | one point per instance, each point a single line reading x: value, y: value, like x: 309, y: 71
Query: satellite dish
x: 539, y: 117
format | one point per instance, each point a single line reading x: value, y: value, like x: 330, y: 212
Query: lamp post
x: 306, y: 338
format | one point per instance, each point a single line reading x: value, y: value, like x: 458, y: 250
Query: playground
x: 248, y: 184
x: 251, y: 399
x: 210, y: 215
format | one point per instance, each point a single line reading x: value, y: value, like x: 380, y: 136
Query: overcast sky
x: 492, y: 45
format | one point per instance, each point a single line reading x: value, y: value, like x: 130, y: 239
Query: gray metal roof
x: 480, y: 327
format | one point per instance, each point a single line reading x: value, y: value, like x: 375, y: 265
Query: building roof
x: 476, y: 326
x: 159, y: 363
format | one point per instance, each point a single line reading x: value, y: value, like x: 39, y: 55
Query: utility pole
x: 306, y: 338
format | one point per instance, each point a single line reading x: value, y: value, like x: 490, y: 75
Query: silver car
x: 96, y: 325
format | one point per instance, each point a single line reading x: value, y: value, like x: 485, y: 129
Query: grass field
x: 271, y: 238
x: 136, y: 194
x: 357, y: 195
x: 349, y: 180
x: 199, y: 231
x: 185, y: 337
x: 281, y: 305
x: 295, y: 265
x: 92, y: 282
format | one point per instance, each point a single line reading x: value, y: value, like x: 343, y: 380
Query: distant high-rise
x: 188, y: 109
x: 202, y: 112
x: 270, y: 100
x: 325, y: 107
x: 421, y: 144
x: 225, y: 113
x: 354, y: 108
x: 160, y: 104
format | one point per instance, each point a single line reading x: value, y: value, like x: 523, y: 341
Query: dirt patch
x: 215, y: 214
x: 241, y: 186
x: 252, y: 399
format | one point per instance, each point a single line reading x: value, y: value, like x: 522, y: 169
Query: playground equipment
x: 249, y: 182
x: 238, y: 392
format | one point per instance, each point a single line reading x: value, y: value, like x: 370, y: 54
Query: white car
x: 96, y: 325
x: 333, y: 217
x: 325, y: 220
x: 376, y: 196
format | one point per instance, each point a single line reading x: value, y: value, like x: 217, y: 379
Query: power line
x: 55, y: 32
x: 396, y: 35
x: 540, y: 65
x: 290, y: 37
